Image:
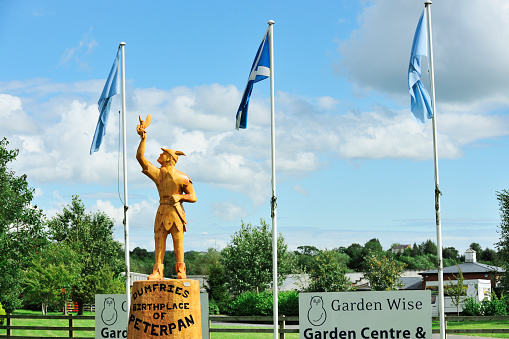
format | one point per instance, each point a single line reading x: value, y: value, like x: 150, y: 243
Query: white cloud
x: 199, y: 121
x: 226, y: 210
x: 9, y: 104
x: 469, y: 58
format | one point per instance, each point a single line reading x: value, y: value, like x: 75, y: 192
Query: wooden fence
x: 71, y: 329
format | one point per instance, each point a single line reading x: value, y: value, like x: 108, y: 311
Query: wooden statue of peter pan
x: 174, y: 188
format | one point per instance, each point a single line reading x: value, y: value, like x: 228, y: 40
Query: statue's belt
x: 165, y: 202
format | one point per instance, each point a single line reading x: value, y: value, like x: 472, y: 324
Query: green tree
x: 429, y: 247
x: 21, y: 229
x: 247, y: 259
x: 54, y: 269
x: 383, y: 273
x: 216, y: 287
x: 416, y: 250
x: 305, y: 256
x: 373, y: 246
x: 488, y: 256
x: 141, y: 260
x: 354, y: 251
x: 328, y: 275
x: 450, y: 253
x: 456, y: 290
x: 90, y: 235
x: 503, y: 244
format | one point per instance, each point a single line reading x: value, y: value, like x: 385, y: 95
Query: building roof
x: 468, y: 267
x: 411, y: 283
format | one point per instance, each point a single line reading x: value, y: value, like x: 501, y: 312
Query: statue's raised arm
x: 140, y: 154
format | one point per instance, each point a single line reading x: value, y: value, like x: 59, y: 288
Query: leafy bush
x: 261, y: 304
x: 213, y: 308
x: 252, y: 304
x: 289, y: 303
x: 472, y: 307
x: 495, y: 306
x: 2, y: 312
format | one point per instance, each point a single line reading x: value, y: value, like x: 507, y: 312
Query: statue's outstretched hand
x: 140, y: 129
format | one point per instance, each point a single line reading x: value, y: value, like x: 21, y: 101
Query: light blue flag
x: 110, y: 89
x: 420, y: 100
x: 259, y: 71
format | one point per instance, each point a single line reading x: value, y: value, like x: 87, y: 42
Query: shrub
x: 495, y: 306
x: 261, y: 304
x: 2, y: 312
x: 289, y: 303
x: 213, y: 308
x: 252, y: 304
x: 472, y: 307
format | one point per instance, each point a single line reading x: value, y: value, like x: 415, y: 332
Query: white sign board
x: 111, y: 316
x: 365, y: 315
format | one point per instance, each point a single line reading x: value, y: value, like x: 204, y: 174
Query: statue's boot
x: 181, y: 270
x: 157, y: 272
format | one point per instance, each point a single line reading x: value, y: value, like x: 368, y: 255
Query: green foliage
x: 354, y: 251
x: 90, y: 235
x: 373, y: 246
x: 54, y: 269
x: 216, y: 287
x: 428, y: 247
x: 213, y: 308
x: 503, y: 244
x: 383, y: 273
x: 456, y: 290
x: 252, y: 304
x: 2, y: 312
x: 450, y: 253
x: 21, y: 229
x: 288, y: 302
x: 261, y: 304
x: 141, y: 261
x: 304, y: 257
x: 247, y: 259
x: 472, y: 307
x: 328, y: 275
x: 495, y: 306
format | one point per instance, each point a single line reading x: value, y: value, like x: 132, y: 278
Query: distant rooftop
x: 468, y: 267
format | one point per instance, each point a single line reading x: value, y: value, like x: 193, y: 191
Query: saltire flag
x: 420, y: 100
x: 259, y: 71
x: 110, y: 89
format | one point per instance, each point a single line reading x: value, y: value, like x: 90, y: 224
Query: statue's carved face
x: 165, y: 159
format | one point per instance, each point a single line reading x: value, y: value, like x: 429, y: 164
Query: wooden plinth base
x: 165, y: 308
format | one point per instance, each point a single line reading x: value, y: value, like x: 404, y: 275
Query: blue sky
x: 352, y: 163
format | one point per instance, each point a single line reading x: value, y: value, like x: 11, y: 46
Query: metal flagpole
x: 441, y: 312
x: 126, y: 219
x: 273, y: 204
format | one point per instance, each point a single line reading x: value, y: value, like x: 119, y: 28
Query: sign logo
x: 109, y: 314
x: 316, y: 313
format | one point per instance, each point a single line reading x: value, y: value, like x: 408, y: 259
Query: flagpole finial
x: 271, y: 22
x: 122, y: 43
x: 427, y: 2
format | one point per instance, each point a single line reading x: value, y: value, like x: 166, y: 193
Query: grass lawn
x: 221, y: 335
x: 477, y: 325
